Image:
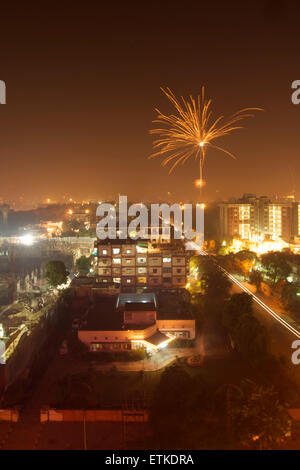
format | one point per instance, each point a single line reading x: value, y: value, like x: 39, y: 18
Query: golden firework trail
x: 192, y: 130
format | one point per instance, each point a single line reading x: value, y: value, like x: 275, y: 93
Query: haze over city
x: 82, y: 88
x: 150, y: 230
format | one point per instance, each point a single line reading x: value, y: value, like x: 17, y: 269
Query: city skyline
x: 150, y: 231
x: 81, y: 126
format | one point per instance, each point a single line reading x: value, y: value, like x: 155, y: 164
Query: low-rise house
x: 132, y: 321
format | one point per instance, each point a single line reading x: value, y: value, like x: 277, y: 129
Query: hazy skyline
x: 83, y: 81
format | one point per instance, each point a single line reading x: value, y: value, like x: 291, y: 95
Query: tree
x: 56, y: 273
x: 256, y: 278
x: 83, y: 265
x: 84, y: 232
x: 276, y: 265
x: 215, y: 282
x: 246, y: 260
x: 170, y: 403
x: 238, y: 305
x: 250, y: 337
x: 246, y: 255
x: 258, y: 418
x: 179, y: 410
x: 289, y: 296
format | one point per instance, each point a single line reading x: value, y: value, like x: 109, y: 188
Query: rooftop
x: 125, y: 298
x: 157, y: 338
x: 83, y: 281
x: 89, y: 281
x: 106, y: 313
x: 103, y: 316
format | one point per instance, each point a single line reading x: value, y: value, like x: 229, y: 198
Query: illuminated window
x: 116, y: 260
x: 116, y: 251
x: 167, y: 260
x: 104, y: 252
x: 141, y: 260
x: 142, y: 270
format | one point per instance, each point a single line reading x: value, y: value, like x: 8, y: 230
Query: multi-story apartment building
x: 296, y: 220
x: 260, y: 215
x: 141, y: 263
x: 238, y: 217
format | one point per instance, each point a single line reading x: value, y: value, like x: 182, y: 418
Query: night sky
x: 83, y: 80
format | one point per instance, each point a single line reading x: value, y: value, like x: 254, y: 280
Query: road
x: 281, y: 337
x: 283, y: 331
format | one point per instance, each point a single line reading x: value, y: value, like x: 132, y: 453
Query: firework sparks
x: 192, y: 130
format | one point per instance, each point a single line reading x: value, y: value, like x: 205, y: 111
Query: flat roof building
x: 250, y: 215
x: 132, y: 321
x: 141, y: 264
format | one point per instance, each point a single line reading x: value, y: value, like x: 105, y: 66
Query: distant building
x: 52, y: 228
x: 260, y: 215
x: 91, y: 287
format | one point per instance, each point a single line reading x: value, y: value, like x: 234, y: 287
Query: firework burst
x: 192, y: 130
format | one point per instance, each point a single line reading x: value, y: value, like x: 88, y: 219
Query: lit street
x: 282, y: 331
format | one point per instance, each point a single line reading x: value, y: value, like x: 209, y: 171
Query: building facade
x: 132, y: 321
x: 260, y: 215
x: 141, y: 263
